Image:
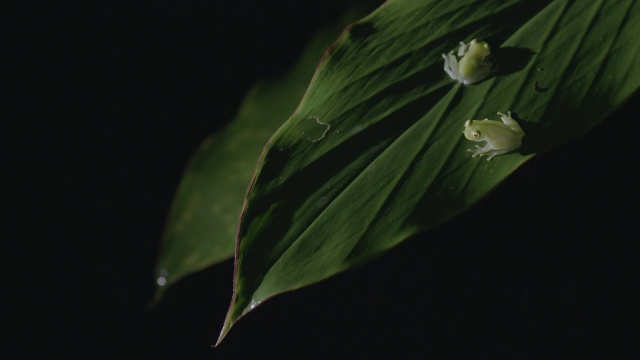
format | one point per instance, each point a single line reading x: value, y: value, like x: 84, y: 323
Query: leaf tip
x: 223, y: 333
x: 236, y: 312
x: 229, y: 320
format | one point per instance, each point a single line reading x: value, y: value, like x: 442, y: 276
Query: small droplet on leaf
x: 313, y: 129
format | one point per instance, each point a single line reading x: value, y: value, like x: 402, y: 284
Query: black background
x: 112, y: 98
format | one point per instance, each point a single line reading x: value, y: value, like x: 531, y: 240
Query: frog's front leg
x: 479, y: 151
x: 463, y: 48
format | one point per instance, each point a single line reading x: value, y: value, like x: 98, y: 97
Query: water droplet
x: 322, y: 202
x: 357, y: 129
x: 161, y: 280
x: 313, y: 129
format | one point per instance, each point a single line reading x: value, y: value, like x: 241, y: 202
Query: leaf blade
x: 370, y: 170
x: 202, y: 223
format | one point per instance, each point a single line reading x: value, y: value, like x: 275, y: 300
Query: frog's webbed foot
x: 503, y: 115
x: 478, y: 151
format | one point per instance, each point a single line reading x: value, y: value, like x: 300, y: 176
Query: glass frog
x: 501, y: 137
x: 473, y: 65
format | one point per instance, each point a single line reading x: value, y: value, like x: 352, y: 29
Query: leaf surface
x: 202, y: 224
x: 374, y: 153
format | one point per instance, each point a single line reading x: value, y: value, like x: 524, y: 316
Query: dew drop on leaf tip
x: 161, y: 280
x: 253, y: 303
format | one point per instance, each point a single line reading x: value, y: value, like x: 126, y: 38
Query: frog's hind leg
x: 495, y: 153
x: 480, y: 74
x: 451, y: 65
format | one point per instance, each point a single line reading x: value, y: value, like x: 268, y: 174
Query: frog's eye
x: 476, y: 134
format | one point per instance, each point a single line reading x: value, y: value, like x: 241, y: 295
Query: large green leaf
x: 374, y: 153
x: 202, y: 224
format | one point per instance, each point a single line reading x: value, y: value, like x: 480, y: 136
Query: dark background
x: 112, y: 97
